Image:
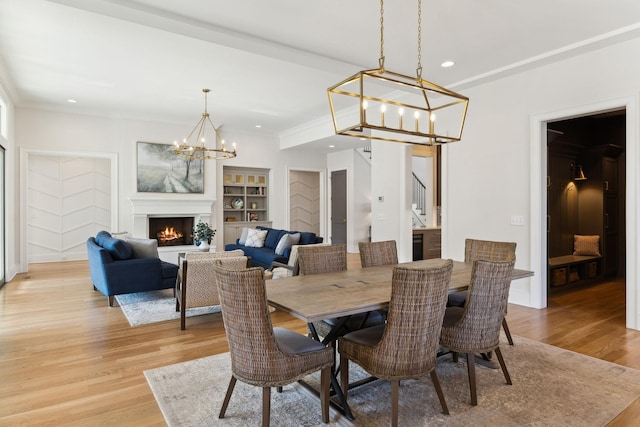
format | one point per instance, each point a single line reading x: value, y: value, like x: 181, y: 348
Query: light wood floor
x: 66, y: 358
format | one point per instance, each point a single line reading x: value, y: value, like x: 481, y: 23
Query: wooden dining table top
x: 323, y: 296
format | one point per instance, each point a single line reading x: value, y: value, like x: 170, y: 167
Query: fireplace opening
x: 171, y: 231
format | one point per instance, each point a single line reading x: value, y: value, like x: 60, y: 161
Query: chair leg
x: 503, y: 366
x: 471, y: 369
x: 110, y: 298
x: 183, y: 315
x: 344, y: 376
x: 395, y: 391
x: 266, y: 405
x: 227, y: 397
x: 454, y: 356
x: 506, y: 330
x: 436, y: 385
x: 325, y: 382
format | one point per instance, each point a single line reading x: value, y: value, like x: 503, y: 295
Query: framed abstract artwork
x: 159, y: 170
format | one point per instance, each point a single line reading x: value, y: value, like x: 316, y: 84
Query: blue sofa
x: 263, y: 257
x: 127, y: 266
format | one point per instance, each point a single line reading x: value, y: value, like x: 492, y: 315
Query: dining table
x: 344, y: 293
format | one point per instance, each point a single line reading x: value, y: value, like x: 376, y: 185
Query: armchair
x: 127, y: 266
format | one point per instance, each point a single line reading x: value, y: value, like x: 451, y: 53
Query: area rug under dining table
x: 551, y: 387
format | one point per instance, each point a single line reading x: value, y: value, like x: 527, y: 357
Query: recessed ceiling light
x: 258, y: 126
x: 447, y: 64
x: 71, y: 101
x: 332, y: 146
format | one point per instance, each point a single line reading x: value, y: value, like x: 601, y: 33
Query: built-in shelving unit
x: 245, y: 200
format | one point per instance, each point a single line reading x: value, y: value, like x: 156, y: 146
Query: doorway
x: 339, y: 207
x: 305, y: 201
x: 586, y: 185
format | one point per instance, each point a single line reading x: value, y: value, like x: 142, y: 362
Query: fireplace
x: 146, y: 208
x: 171, y: 231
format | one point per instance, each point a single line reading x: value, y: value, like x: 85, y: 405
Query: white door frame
x: 538, y: 238
x: 24, y: 185
x: 323, y: 197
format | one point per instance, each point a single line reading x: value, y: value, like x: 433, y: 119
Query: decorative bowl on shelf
x: 237, y: 203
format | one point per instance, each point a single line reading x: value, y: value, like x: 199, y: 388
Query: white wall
x: 497, y: 170
x: 391, y: 196
x: 63, y: 133
x: 263, y: 151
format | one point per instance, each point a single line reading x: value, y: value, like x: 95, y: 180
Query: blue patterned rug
x: 156, y: 306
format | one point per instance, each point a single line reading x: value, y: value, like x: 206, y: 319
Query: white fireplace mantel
x: 144, y: 207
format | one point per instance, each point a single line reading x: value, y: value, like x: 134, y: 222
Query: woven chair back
x: 213, y: 255
x: 318, y: 259
x: 199, y: 281
x: 409, y: 344
x: 478, y: 331
x: 487, y: 250
x: 378, y: 253
x: 254, y: 353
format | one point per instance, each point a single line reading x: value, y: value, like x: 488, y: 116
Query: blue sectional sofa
x: 264, y: 256
x: 126, y: 266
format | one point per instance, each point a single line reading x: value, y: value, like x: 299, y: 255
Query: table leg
x: 342, y: 406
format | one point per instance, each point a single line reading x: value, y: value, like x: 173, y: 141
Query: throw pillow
x: 286, y: 242
x: 586, y: 245
x: 243, y: 237
x: 118, y: 249
x: 255, y: 238
x: 273, y: 237
x: 143, y: 248
x: 101, y: 236
x: 307, y: 238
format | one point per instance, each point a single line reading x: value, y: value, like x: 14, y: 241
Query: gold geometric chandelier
x: 201, y: 135
x: 388, y: 106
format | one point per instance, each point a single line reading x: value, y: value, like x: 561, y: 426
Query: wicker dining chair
x: 475, y: 328
x: 486, y: 250
x: 261, y: 355
x: 407, y: 346
x: 378, y: 253
x: 203, y: 255
x: 317, y: 259
x: 197, y: 287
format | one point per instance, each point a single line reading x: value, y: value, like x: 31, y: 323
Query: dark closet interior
x: 586, y: 196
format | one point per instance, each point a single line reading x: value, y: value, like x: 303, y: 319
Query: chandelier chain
x: 381, y: 60
x: 419, y: 69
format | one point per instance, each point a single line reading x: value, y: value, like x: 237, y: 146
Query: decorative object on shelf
x: 197, y: 149
x: 202, y: 233
x: 237, y: 203
x: 580, y: 176
x: 359, y: 104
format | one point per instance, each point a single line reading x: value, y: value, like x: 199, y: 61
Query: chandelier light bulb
x: 365, y: 104
x: 400, y: 113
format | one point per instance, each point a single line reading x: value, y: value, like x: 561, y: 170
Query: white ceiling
x: 270, y: 62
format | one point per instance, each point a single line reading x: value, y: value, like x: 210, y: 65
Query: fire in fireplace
x: 171, y: 231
